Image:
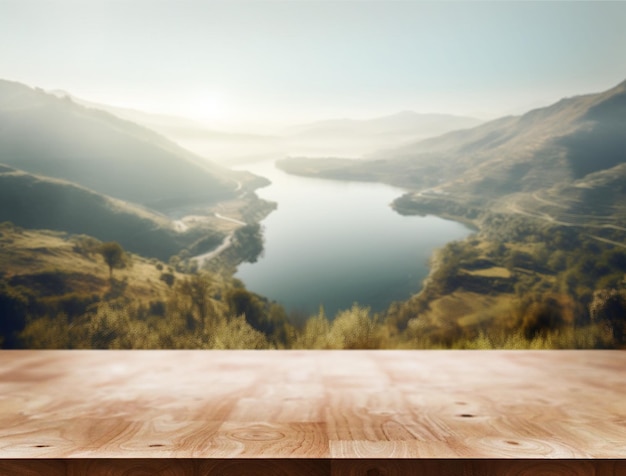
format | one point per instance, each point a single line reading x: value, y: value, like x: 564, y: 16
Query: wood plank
x: 425, y: 405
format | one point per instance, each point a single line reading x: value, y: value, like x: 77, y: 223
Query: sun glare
x: 204, y: 105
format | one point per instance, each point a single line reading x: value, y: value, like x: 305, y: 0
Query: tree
x: 198, y: 290
x: 14, y: 304
x: 609, y: 307
x: 168, y: 278
x: 315, y: 333
x: 113, y: 255
x: 242, y: 302
x: 355, y: 329
x: 249, y: 242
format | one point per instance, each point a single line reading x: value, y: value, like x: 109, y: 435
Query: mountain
x: 44, y: 134
x: 569, y: 149
x: 350, y: 137
x: 333, y: 137
x: 216, y: 145
x: 39, y: 202
x: 403, y: 123
x: 563, y: 142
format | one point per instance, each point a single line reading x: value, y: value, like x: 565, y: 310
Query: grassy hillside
x: 52, y: 136
x: 40, y: 202
x: 55, y: 292
x: 53, y: 274
x: 30, y: 258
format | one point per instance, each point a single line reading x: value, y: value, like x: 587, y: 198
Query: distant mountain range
x: 334, y: 137
x: 360, y: 138
x: 402, y: 124
x: 565, y: 141
x: 569, y: 154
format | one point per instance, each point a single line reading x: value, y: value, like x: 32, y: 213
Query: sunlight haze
x: 231, y: 62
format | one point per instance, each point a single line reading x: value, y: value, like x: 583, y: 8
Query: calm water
x: 334, y: 243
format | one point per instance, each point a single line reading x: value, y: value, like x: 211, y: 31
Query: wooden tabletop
x: 430, y: 405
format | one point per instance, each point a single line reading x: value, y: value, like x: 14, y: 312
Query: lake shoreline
x: 376, y: 244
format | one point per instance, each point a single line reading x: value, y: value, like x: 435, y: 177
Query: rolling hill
x: 56, y: 137
x: 39, y: 202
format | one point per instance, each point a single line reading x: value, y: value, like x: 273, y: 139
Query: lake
x: 333, y: 243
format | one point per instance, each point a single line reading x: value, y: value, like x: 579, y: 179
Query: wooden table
x: 313, y: 413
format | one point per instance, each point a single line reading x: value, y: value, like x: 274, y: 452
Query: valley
x: 507, y: 234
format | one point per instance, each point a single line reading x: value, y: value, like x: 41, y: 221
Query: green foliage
x: 314, y: 335
x: 45, y: 282
x: 157, y: 308
x: 280, y: 330
x: 168, y: 278
x: 48, y: 333
x: 190, y: 318
x: 609, y: 308
x: 193, y: 300
x: 86, y: 245
x: 270, y: 319
x: 236, y: 333
x: 14, y: 306
x: 248, y: 241
x: 355, y: 329
x: 539, y: 316
x: 71, y: 304
x: 591, y: 337
x: 113, y: 255
x: 555, y: 271
x: 520, y: 259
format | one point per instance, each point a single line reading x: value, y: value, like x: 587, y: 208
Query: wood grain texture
x: 419, y: 405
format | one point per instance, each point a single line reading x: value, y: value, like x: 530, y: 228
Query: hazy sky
x: 297, y: 60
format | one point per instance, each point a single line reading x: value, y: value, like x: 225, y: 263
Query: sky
x: 232, y: 61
